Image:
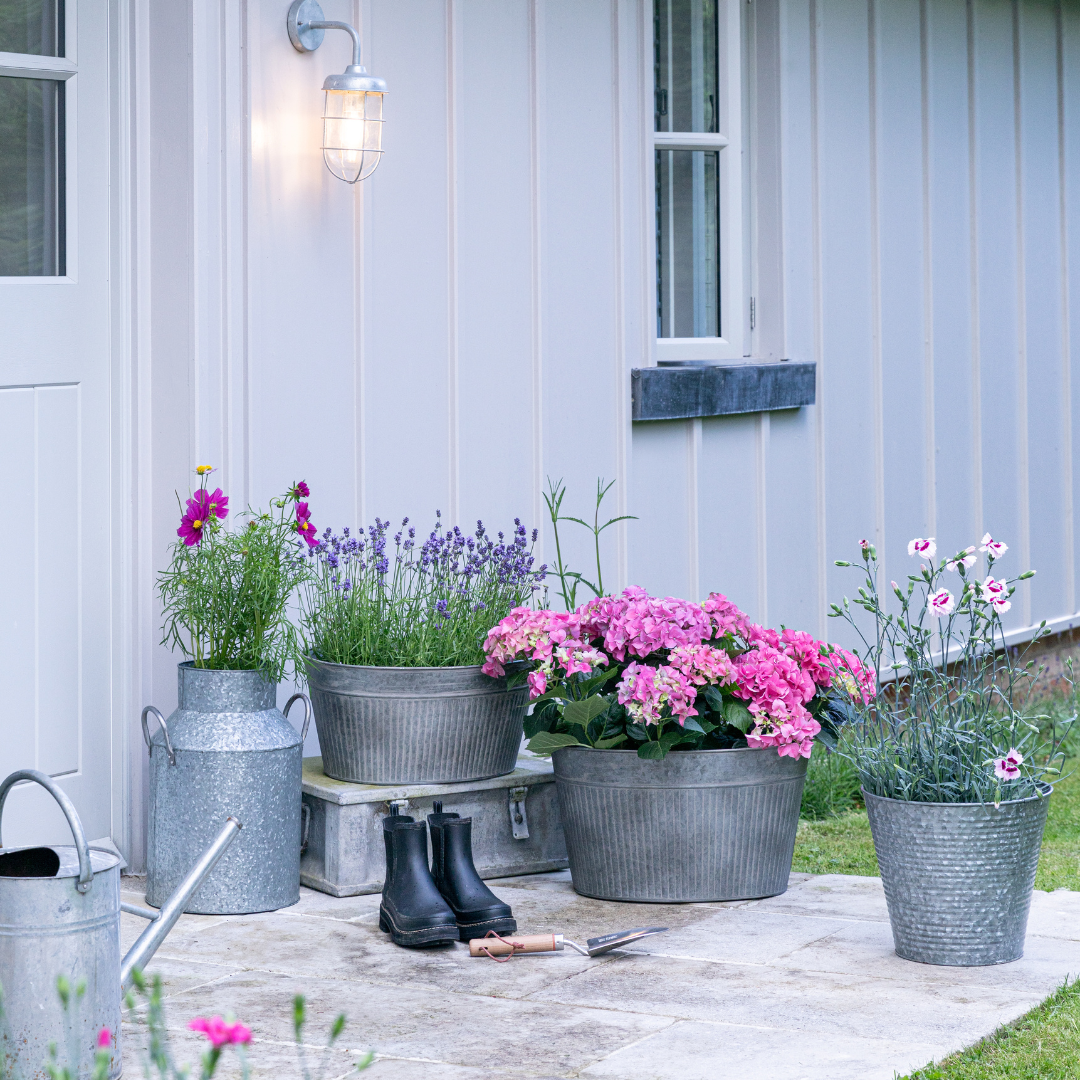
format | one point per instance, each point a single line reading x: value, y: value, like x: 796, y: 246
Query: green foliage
x: 569, y: 580
x: 225, y: 600
x: 367, y: 603
x: 832, y: 785
x: 1043, y: 1044
x: 958, y: 699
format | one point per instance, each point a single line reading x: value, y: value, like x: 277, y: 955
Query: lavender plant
x: 953, y: 720
x: 431, y: 605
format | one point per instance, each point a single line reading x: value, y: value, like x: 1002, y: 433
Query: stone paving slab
x: 803, y: 986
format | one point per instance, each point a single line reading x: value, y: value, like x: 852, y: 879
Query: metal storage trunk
x: 516, y: 825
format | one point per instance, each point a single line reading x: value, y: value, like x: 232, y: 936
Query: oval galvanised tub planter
x: 698, y: 825
x: 414, y: 725
x: 958, y: 877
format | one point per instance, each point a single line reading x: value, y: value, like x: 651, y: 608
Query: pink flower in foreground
x: 1008, y: 768
x: 301, y: 491
x: 919, y: 546
x: 942, y: 603
x: 992, y: 546
x: 104, y: 1039
x: 218, y: 503
x: 963, y: 558
x: 790, y: 730
x: 220, y: 1032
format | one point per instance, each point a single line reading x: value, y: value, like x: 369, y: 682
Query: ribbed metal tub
x: 418, y: 725
x: 698, y: 825
x: 958, y: 876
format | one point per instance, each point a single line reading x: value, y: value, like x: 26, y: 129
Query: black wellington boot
x: 476, y: 908
x: 412, y: 911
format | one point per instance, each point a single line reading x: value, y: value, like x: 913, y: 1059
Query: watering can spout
x: 151, y: 938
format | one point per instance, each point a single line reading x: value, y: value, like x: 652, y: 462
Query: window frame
x: 63, y: 70
x: 728, y: 142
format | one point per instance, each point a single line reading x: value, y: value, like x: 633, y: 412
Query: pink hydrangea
x: 639, y: 624
x: 726, y: 616
x: 529, y: 634
x: 791, y: 729
x: 645, y: 691
x: 765, y: 674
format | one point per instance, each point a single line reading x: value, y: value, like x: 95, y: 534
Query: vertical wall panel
x: 955, y: 417
x: 848, y: 392
x: 1041, y: 209
x: 900, y: 171
x: 998, y: 285
x: 1070, y: 132
x: 494, y: 264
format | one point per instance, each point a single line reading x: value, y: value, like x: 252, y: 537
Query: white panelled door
x: 56, y: 604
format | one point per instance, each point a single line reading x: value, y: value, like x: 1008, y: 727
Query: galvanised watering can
x: 60, y: 915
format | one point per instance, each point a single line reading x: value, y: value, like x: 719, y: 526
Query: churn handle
x: 164, y: 731
x: 86, y: 871
x: 307, y: 711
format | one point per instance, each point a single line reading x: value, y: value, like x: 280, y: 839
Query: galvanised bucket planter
x: 226, y: 751
x: 414, y: 725
x: 698, y: 825
x: 958, y: 876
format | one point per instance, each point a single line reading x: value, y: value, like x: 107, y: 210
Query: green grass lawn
x: 834, y: 838
x: 1044, y: 1044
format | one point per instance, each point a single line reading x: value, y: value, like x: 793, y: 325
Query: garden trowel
x: 497, y: 947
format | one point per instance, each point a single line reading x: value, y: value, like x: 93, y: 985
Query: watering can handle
x: 307, y: 711
x: 86, y: 871
x: 164, y: 731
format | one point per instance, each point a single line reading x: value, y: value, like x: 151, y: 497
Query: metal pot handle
x: 307, y: 711
x: 164, y: 730
x: 86, y: 871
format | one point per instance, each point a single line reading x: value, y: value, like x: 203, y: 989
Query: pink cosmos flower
x: 919, y: 546
x: 301, y: 491
x: 220, y: 1032
x: 942, y: 603
x: 1008, y: 767
x: 104, y: 1039
x: 992, y: 546
x: 195, y: 517
x: 218, y: 504
x: 305, y: 526
x: 963, y: 558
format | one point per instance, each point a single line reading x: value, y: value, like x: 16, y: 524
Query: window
x: 698, y: 273
x: 33, y: 97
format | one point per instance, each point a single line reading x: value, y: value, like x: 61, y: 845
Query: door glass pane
x: 685, y: 43
x: 687, y: 243
x: 31, y: 177
x: 32, y: 26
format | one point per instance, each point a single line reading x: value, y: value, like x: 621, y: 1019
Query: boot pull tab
x: 436, y: 806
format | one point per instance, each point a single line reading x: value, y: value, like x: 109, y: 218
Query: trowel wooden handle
x: 514, y: 943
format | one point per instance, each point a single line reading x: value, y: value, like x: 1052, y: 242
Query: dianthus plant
x: 226, y: 591
x: 657, y: 674
x: 951, y: 723
x: 431, y: 605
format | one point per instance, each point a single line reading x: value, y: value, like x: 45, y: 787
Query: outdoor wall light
x: 353, y: 113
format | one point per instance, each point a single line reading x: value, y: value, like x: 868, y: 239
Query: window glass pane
x: 685, y: 42
x: 31, y: 177
x: 687, y: 243
x: 32, y: 26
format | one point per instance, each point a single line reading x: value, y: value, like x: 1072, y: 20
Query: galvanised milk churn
x: 227, y: 750
x: 60, y: 915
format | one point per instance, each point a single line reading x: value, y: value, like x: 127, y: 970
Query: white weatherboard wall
x: 463, y: 324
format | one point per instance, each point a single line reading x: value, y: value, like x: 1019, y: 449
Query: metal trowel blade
x: 607, y: 942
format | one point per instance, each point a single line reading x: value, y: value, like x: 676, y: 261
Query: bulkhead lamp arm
x: 353, y: 112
